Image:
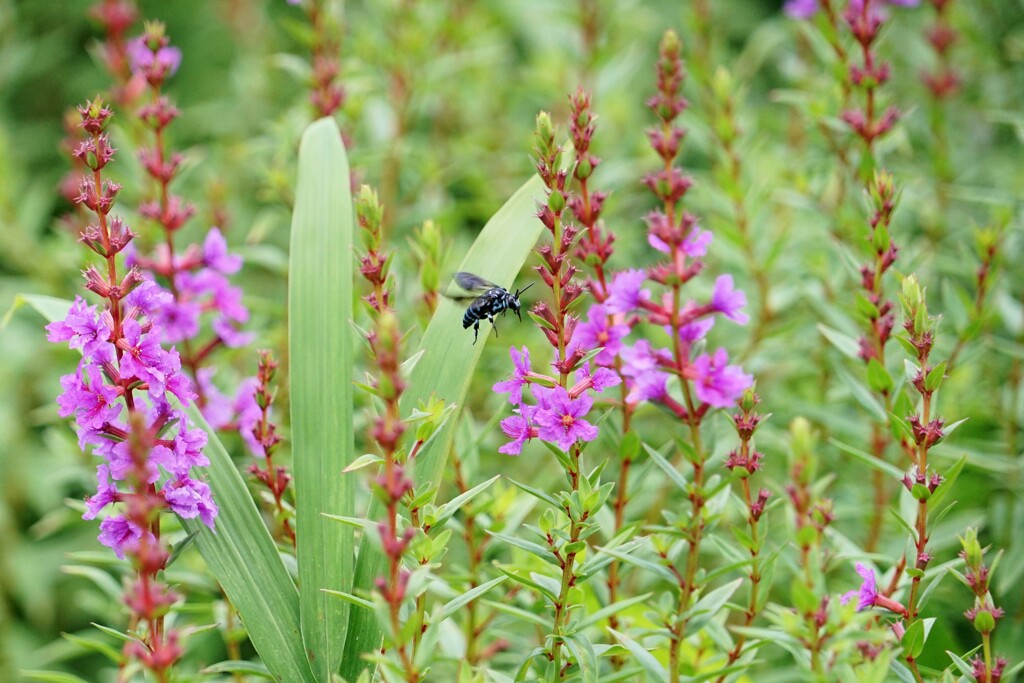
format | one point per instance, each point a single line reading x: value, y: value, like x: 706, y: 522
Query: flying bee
x: 492, y: 300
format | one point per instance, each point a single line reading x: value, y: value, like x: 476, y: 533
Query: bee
x: 492, y: 300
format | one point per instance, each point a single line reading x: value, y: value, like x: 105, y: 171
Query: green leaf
x: 443, y: 512
x: 960, y: 664
x: 235, y: 666
x: 709, y: 605
x: 240, y: 554
x: 113, y: 654
x: 320, y: 360
x: 846, y: 345
x: 455, y: 604
x: 446, y: 370
x: 913, y: 639
x: 934, y: 379
x: 868, y: 459
x: 673, y: 474
x: 537, y: 493
x: 52, y: 676
x: 354, y: 599
x: 535, y: 549
x: 878, y: 377
x: 596, y: 617
x: 655, y: 671
x: 583, y: 653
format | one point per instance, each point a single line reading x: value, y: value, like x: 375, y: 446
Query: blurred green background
x: 441, y: 103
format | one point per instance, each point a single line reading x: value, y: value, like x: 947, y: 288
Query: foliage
x: 788, y: 494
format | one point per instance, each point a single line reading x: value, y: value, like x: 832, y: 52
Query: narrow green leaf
x: 354, y: 599
x: 52, y: 676
x: 240, y: 554
x: 709, y: 605
x: 443, y: 512
x: 454, y: 605
x: 113, y: 654
x: 913, y: 639
x: 535, y: 549
x: 445, y: 370
x: 614, y: 608
x: 868, y: 459
x: 961, y: 664
x: 320, y: 353
x: 235, y: 666
x: 673, y: 474
x: 844, y: 343
x: 655, y: 671
x: 537, y: 493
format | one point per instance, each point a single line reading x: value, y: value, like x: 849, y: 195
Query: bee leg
x: 476, y: 331
x: 493, y: 326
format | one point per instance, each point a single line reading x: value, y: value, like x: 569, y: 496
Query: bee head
x: 515, y: 305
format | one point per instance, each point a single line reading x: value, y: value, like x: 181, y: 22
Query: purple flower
x: 805, y: 9
x: 695, y: 331
x: 120, y: 535
x: 249, y: 414
x: 800, y: 9
x: 149, y: 298
x: 216, y: 256
x: 560, y: 420
x: 106, y: 493
x: 625, y: 292
x: 868, y: 592
x: 597, y: 332
x: 518, y: 428
x: 728, y: 301
x: 717, y: 383
x: 142, y: 60
x: 143, y: 356
x: 190, y: 498
x: 217, y: 411
x: 648, y: 386
x: 84, y: 329
x: 178, y: 320
x: 601, y: 379
x: 122, y: 464
x: 697, y: 242
x: 92, y: 404
x: 514, y: 385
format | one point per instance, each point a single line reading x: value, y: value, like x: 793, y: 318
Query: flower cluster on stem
x: 195, y: 277
x: 127, y: 397
x: 273, y: 476
x: 743, y: 462
x: 116, y: 17
x: 812, y: 515
x: 326, y: 94
x: 394, y: 482
x: 985, y: 666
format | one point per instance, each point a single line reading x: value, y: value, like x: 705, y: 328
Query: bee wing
x: 472, y: 283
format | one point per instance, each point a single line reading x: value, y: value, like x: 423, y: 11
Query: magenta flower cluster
x: 647, y: 369
x: 805, y: 9
x: 128, y: 393
x: 557, y: 415
x: 94, y: 395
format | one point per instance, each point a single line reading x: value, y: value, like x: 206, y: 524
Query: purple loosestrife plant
x: 196, y: 277
x: 705, y: 380
x: 744, y: 462
x: 127, y: 397
x: 403, y: 533
x: 558, y: 415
